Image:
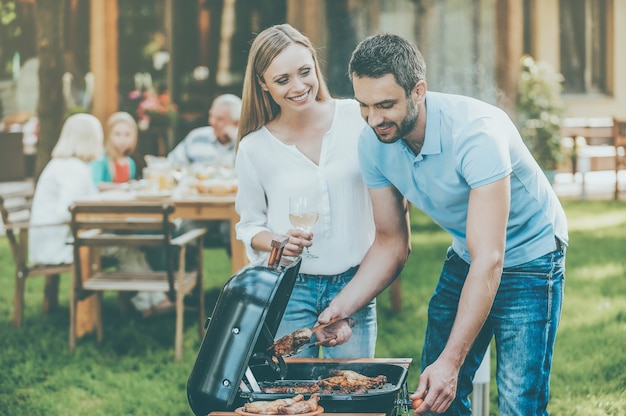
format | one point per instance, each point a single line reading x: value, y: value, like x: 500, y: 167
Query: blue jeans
x: 524, y: 320
x: 311, y: 295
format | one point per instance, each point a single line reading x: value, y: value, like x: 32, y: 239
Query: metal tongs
x: 349, y: 320
x: 316, y: 328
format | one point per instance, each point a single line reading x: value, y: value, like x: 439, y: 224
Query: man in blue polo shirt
x: 463, y: 163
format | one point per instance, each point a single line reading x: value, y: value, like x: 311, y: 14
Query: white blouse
x: 62, y: 181
x: 269, y: 170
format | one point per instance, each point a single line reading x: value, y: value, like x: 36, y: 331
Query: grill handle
x: 402, y: 405
x: 276, y: 254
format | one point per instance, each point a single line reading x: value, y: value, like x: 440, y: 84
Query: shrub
x: 540, y: 108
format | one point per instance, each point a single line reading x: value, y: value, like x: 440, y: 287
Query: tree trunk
x: 341, y: 42
x: 49, y: 16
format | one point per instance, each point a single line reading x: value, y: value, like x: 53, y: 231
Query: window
x: 583, y: 45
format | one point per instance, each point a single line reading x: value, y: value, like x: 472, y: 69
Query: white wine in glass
x: 303, y: 214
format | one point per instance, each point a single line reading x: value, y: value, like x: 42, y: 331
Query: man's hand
x: 437, y: 386
x: 230, y: 133
x: 342, y: 329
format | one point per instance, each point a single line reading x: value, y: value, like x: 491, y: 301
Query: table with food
x: 197, y: 193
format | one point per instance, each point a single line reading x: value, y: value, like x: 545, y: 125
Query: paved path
x: 593, y: 185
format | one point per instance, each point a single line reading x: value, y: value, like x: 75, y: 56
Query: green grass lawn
x: 133, y: 371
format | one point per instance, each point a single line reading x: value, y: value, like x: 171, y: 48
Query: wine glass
x: 303, y: 214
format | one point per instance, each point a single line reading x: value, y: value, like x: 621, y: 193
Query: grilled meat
x: 293, y: 389
x: 301, y: 407
x: 350, y: 382
x: 354, y: 378
x: 290, y: 343
x: 340, y: 382
x: 270, y: 407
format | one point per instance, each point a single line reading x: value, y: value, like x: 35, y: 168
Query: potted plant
x: 540, y: 108
x: 156, y: 110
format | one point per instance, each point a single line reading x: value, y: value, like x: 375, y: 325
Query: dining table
x: 186, y: 206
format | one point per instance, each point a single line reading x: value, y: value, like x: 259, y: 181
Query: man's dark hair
x: 379, y: 55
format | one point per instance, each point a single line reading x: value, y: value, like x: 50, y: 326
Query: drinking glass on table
x: 303, y: 214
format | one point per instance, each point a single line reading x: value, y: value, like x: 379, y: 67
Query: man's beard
x: 406, y: 125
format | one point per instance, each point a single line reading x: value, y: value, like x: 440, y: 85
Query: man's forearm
x: 475, y: 304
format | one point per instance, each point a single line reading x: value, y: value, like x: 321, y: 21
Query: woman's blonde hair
x: 258, y: 107
x: 81, y: 137
x: 116, y: 118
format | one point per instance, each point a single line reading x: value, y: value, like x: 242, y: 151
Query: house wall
x: 456, y: 37
x: 545, y: 22
x: 614, y: 104
x: 461, y: 46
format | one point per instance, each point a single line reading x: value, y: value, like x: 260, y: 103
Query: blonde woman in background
x: 116, y: 166
x: 295, y: 138
x: 66, y: 177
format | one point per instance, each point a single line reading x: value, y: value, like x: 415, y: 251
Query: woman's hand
x: 298, y: 240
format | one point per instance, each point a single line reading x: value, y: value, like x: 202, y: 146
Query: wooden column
x: 509, y: 46
x: 545, y: 25
x: 104, y: 57
x: 309, y: 17
x: 227, y: 29
x: 103, y: 64
x: 204, y: 23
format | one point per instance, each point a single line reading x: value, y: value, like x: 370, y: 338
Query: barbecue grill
x: 235, y: 363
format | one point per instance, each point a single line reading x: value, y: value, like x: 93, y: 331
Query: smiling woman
x: 294, y: 140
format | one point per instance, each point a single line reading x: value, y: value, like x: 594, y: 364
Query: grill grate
x: 387, y: 387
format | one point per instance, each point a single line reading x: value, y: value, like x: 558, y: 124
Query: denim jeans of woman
x: 524, y: 319
x: 310, y: 296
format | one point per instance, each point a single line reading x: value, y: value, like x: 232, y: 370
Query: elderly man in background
x: 213, y: 144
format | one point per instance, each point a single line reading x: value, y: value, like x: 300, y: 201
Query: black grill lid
x: 240, y: 330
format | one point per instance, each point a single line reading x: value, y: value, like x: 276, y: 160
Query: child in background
x: 116, y: 166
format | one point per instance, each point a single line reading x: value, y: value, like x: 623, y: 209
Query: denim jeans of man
x: 524, y: 319
x: 311, y: 295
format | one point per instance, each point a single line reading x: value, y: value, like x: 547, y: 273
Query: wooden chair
x: 96, y: 225
x: 619, y: 141
x: 15, y: 211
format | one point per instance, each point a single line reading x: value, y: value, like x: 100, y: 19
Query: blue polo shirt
x: 468, y: 144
